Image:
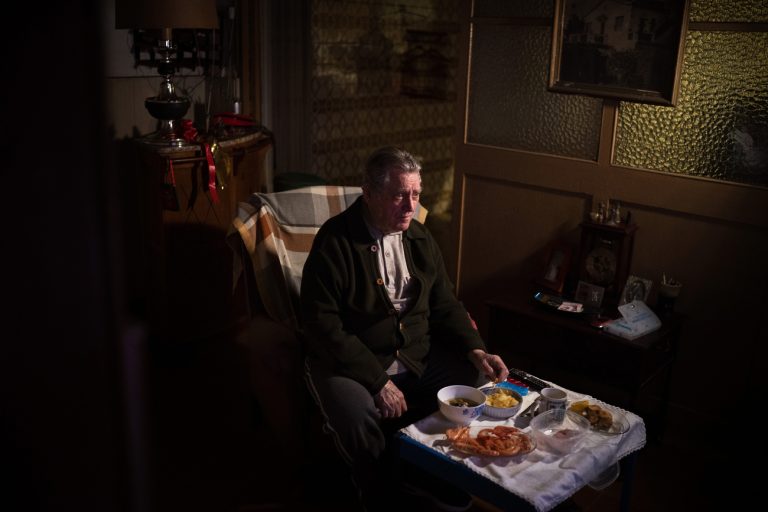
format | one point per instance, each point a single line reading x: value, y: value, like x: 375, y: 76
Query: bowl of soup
x: 461, y: 404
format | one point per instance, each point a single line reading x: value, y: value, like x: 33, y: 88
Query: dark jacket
x: 349, y: 322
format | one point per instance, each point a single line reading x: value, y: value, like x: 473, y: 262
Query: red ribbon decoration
x: 233, y: 120
x: 170, y: 171
x: 190, y: 135
x: 211, y: 173
x: 190, y: 132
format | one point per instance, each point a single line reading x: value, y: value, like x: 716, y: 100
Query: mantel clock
x: 605, y: 254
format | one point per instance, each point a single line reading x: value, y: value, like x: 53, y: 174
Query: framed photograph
x: 557, y: 264
x: 629, y: 50
x: 589, y: 294
x: 637, y: 288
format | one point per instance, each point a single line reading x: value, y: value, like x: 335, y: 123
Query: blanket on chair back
x: 277, y: 230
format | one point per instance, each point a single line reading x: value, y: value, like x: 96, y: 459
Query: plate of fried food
x: 490, y: 441
x: 602, y: 418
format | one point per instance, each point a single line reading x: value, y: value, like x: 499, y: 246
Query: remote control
x: 532, y: 382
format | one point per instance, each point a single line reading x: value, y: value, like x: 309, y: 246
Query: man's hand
x: 390, y: 401
x: 490, y: 365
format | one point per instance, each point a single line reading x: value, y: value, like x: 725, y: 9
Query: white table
x: 541, y: 480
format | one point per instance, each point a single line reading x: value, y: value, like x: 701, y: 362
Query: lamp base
x: 165, y: 140
x: 169, y: 133
x: 169, y: 112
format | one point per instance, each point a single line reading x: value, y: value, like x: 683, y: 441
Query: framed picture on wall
x: 629, y: 50
x: 557, y: 264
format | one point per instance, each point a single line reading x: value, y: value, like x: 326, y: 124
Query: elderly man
x: 384, y: 329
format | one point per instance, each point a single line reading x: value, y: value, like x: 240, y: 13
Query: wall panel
x: 508, y: 226
x: 505, y: 225
x: 723, y: 293
x: 710, y: 234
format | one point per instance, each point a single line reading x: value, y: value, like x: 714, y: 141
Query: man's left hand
x: 490, y: 365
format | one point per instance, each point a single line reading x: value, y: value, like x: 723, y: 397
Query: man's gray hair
x: 382, y: 161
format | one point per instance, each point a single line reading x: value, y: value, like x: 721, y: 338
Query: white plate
x: 620, y: 423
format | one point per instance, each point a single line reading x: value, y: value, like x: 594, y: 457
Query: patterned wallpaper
x: 383, y: 73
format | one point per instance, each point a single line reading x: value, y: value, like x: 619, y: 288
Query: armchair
x: 271, y: 236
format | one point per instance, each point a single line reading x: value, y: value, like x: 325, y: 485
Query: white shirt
x: 397, y: 280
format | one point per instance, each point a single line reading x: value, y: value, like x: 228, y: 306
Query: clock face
x: 601, y: 265
x: 605, y: 255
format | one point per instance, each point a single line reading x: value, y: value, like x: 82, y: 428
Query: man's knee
x: 350, y: 415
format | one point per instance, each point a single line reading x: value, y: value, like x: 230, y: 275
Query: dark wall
x: 62, y: 439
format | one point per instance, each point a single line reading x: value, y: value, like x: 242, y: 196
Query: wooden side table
x: 564, y: 348
x: 189, y: 265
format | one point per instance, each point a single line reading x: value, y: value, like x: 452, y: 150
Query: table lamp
x: 165, y: 15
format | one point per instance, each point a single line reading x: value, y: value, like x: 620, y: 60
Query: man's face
x: 392, y: 208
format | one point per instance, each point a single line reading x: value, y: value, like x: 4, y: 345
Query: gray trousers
x: 361, y: 436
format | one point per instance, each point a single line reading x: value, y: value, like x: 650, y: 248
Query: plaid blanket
x: 277, y: 230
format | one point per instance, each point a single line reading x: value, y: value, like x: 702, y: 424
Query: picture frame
x: 637, y: 288
x: 557, y: 264
x: 589, y: 294
x: 627, y: 50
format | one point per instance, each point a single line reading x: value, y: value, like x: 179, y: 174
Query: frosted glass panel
x: 508, y: 8
x: 719, y: 128
x: 729, y: 10
x: 509, y: 102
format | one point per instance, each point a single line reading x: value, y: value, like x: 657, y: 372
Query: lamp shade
x: 159, y: 14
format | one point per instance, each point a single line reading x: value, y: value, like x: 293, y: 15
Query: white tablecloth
x: 541, y: 478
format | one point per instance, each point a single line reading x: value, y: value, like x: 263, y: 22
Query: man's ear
x: 366, y: 193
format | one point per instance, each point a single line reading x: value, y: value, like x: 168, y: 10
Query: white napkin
x: 541, y: 478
